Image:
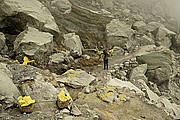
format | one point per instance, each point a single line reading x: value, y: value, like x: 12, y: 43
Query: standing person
x: 105, y: 59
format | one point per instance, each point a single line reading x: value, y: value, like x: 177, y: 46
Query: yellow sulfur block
x: 25, y: 101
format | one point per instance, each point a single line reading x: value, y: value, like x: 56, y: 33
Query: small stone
x: 68, y: 118
x: 65, y: 111
x: 87, y: 89
x: 1, y: 107
x: 96, y: 117
x: 61, y: 85
x: 126, y: 64
x: 75, y: 111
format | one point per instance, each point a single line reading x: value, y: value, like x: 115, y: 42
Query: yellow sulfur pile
x: 63, y: 96
x: 25, y: 101
x: 26, y: 60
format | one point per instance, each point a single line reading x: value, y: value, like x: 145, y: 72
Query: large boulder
x: 139, y: 73
x: 153, y: 26
x: 63, y: 6
x: 58, y: 62
x: 124, y: 84
x: 32, y: 12
x: 118, y: 33
x: 8, y: 91
x: 76, y: 78
x: 22, y: 73
x: 39, y: 90
x: 38, y: 45
x: 146, y: 40
x: 73, y: 42
x: 159, y: 65
x: 140, y: 26
x: 163, y: 32
x: 36, y: 83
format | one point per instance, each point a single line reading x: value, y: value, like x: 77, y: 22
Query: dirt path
x: 117, y: 59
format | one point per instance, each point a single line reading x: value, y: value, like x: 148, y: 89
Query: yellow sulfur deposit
x: 26, y: 60
x: 99, y: 52
x: 110, y: 52
x: 63, y: 96
x: 25, y: 101
x: 71, y: 73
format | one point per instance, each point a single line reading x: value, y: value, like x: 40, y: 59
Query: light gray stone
x: 152, y: 26
x: 63, y: 6
x: 2, y: 41
x: 140, y: 26
x: 166, y: 42
x: 107, y: 94
x: 118, y: 28
x: 39, y: 90
x: 73, y: 42
x: 32, y: 40
x: 124, y: 84
x: 153, y: 97
x: 34, y: 43
x: 8, y: 91
x: 57, y: 58
x: 76, y: 78
x: 126, y: 12
x: 21, y: 73
x: 174, y: 88
x: 75, y: 110
x: 145, y: 40
x: 138, y: 71
x: 118, y: 33
x: 69, y: 118
x: 171, y: 108
x: 163, y: 32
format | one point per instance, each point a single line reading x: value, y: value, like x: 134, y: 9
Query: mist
x: 173, y: 8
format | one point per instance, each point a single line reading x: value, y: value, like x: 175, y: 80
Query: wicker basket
x: 27, y: 109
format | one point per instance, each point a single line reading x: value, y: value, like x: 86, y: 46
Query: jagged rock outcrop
x: 38, y: 45
x: 32, y: 12
x: 78, y: 18
x: 8, y: 90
